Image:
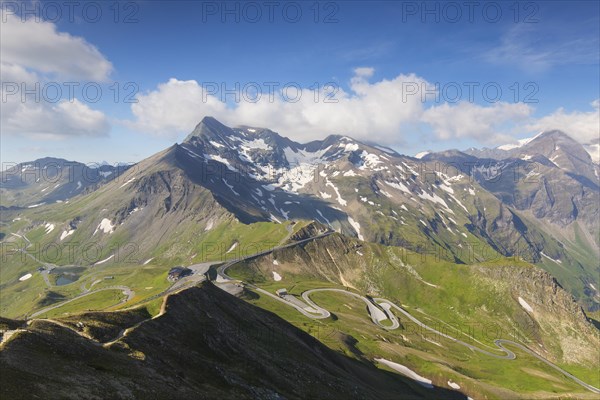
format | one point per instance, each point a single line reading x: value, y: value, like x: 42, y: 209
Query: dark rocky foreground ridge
x: 207, y: 345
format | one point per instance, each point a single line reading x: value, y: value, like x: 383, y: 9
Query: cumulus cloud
x: 174, y: 107
x: 39, y: 46
x: 57, y: 121
x: 32, y: 53
x: 487, y: 124
x: 374, y: 111
x: 388, y: 112
x: 40, y: 119
x: 583, y: 126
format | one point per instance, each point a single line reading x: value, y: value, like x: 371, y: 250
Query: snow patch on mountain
x: 520, y: 143
x: 553, y: 160
x: 455, y: 178
x: 550, y: 258
x: 299, y: 172
x: 128, y: 182
x: 370, y: 161
x: 105, y: 226
x: 525, y: 305
x: 322, y: 216
x: 49, y: 228
x: 296, y: 178
x: 216, y: 144
x: 349, y: 147
x: 339, y: 198
x: 256, y: 144
x: 222, y: 160
x: 410, y: 168
x: 459, y: 203
x: 66, y: 233
x: 594, y: 152
x: 446, y: 188
x: 230, y: 187
x: 356, y: 227
x: 398, y: 185
x: 233, y: 246
x: 304, y: 157
x: 435, y: 199
x: 406, y: 372
x: 105, y: 260
x: 453, y: 385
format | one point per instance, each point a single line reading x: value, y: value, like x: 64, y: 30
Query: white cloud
x: 487, y: 124
x: 581, y: 126
x: 365, y: 72
x: 16, y: 73
x: 53, y: 121
x: 37, y: 45
x: 33, y: 52
x: 175, y: 107
x: 370, y: 111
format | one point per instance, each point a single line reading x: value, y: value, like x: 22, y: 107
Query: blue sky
x: 543, y: 56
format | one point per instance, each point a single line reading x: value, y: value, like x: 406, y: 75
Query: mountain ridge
x: 224, y: 348
x: 444, y: 203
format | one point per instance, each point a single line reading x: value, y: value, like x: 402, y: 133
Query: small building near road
x: 177, y: 273
x: 281, y: 292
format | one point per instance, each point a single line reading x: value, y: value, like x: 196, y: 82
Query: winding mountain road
x: 388, y: 306
x: 126, y: 291
x: 379, y: 309
x: 376, y: 306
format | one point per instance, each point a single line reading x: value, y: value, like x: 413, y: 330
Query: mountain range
x: 230, y: 192
x: 536, y: 202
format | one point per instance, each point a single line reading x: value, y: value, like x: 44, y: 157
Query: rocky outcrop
x: 540, y: 288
